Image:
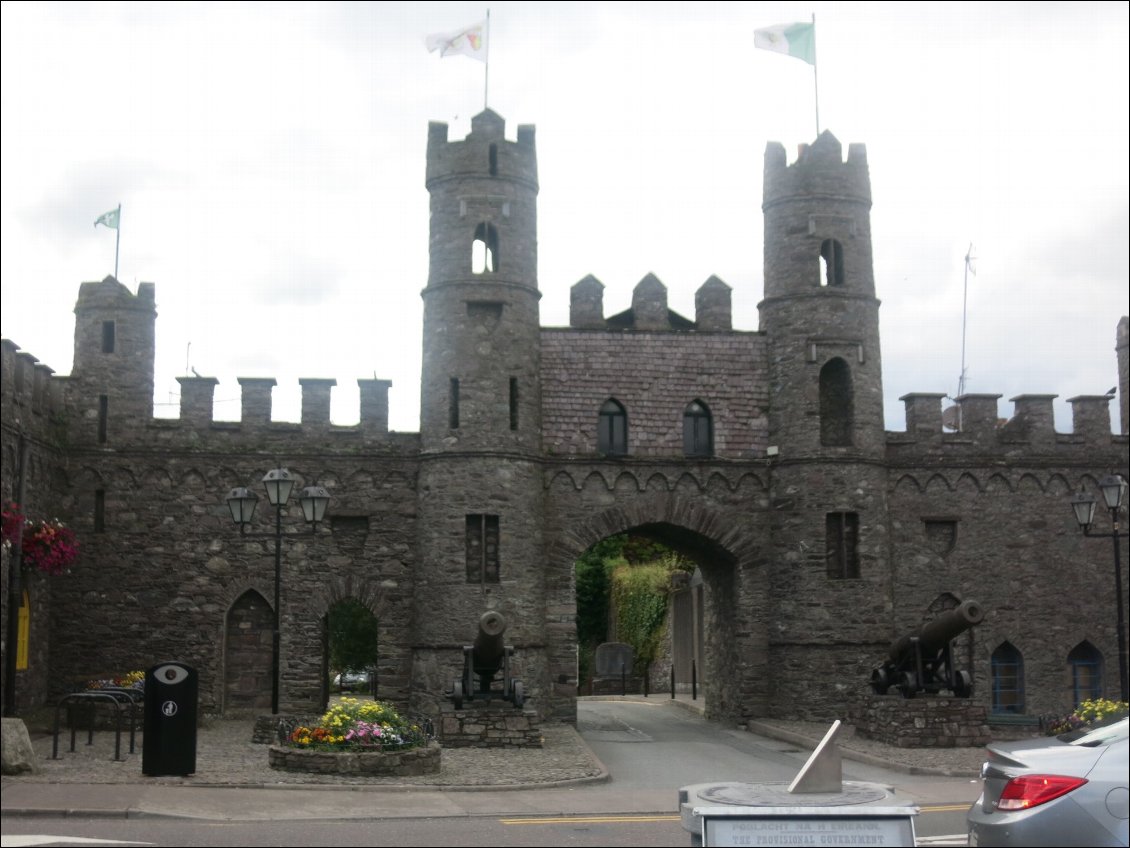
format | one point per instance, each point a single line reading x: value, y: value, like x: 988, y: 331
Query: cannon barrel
x: 488, y: 647
x: 935, y: 635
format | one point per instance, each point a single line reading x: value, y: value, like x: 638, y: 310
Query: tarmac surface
x: 233, y: 780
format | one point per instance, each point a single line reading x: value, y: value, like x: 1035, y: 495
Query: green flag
x: 796, y: 40
x: 109, y: 219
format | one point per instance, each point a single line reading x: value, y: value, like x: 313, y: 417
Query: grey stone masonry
x: 923, y: 722
x: 489, y: 726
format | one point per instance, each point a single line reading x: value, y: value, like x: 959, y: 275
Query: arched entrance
x: 247, y: 654
x: 352, y: 650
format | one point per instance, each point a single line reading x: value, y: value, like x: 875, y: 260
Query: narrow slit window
x: 103, y: 416
x: 453, y: 404
x: 513, y: 403
x: 493, y: 160
x: 482, y: 549
x: 841, y: 533
x: 100, y: 511
x: 837, y: 406
x: 108, y: 336
x: 832, y: 263
x: 484, y: 250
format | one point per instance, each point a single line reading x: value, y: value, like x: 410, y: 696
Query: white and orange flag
x: 468, y: 41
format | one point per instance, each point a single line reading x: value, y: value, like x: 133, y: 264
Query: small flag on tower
x: 796, y: 40
x: 109, y: 219
x: 469, y: 41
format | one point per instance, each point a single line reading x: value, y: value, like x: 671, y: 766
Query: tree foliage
x: 353, y: 636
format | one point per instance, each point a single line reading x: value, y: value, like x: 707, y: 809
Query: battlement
x: 28, y: 385
x: 485, y: 152
x: 974, y: 422
x: 198, y: 396
x: 649, y: 309
x: 819, y: 171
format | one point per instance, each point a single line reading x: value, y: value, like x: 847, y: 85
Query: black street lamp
x: 242, y: 502
x: 1113, y: 488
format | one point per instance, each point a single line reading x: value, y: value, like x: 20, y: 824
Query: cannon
x: 923, y: 661
x: 482, y: 661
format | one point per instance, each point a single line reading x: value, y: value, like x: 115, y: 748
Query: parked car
x: 1064, y: 790
x: 352, y: 681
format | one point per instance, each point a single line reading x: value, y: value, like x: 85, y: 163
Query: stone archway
x: 735, y: 608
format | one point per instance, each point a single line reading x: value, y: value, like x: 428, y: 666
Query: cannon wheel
x: 880, y: 681
x: 963, y: 684
x: 908, y: 684
x: 517, y: 695
x: 457, y: 694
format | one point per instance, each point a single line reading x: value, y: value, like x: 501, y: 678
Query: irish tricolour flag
x: 796, y: 40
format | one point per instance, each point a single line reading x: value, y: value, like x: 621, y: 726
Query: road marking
x: 17, y: 840
x: 945, y: 808
x: 591, y: 820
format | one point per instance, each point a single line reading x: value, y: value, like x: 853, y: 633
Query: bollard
x: 694, y: 682
x: 672, y: 681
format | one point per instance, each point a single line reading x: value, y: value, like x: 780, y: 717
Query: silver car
x: 1070, y: 789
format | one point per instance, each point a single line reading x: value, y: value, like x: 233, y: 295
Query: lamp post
x: 1113, y: 488
x: 279, y: 483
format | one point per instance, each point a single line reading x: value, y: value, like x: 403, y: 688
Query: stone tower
x: 479, y: 482
x: 111, y: 383
x: 821, y: 318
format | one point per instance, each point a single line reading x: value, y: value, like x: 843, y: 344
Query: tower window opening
x: 513, y: 403
x: 482, y: 549
x: 108, y: 332
x: 100, y: 511
x: 103, y: 416
x: 841, y: 534
x: 698, y: 430
x: 453, y: 404
x: 494, y: 160
x: 612, y: 429
x: 484, y: 250
x: 831, y: 263
x: 837, y: 405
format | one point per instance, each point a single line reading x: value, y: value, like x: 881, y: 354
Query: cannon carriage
x: 923, y: 661
x: 482, y: 661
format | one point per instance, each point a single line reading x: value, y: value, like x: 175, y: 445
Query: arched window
x: 698, y: 430
x: 612, y: 429
x: 832, y: 263
x: 1008, y: 679
x: 484, y: 250
x: 837, y: 406
x: 1086, y: 672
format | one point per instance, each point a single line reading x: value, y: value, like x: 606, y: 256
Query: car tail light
x: 1031, y: 790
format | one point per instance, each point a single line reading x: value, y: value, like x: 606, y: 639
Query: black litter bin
x: 170, y: 720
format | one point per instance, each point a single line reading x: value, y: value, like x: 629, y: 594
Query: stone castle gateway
x: 760, y: 455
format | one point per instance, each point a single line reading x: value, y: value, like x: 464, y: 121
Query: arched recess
x: 248, y: 627
x: 837, y: 404
x: 1086, y: 664
x: 734, y: 605
x: 359, y: 596
x: 1007, y: 675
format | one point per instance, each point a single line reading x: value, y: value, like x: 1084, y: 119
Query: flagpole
x: 815, y: 76
x: 486, y: 63
x: 117, y: 241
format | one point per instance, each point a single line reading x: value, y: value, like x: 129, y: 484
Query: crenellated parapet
x: 649, y: 310
x: 29, y: 386
x: 973, y: 423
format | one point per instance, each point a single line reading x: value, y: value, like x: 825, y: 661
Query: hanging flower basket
x: 48, y: 546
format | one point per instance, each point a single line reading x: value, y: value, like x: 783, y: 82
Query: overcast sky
x: 269, y: 160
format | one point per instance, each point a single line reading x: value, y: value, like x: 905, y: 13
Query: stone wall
x: 486, y: 726
x: 923, y: 722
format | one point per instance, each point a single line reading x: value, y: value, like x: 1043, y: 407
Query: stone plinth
x: 490, y: 725
x: 397, y: 763
x: 923, y: 722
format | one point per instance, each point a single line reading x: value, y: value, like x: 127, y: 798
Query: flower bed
x: 356, y: 737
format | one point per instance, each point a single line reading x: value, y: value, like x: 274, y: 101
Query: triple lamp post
x: 1113, y: 488
x: 279, y: 483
